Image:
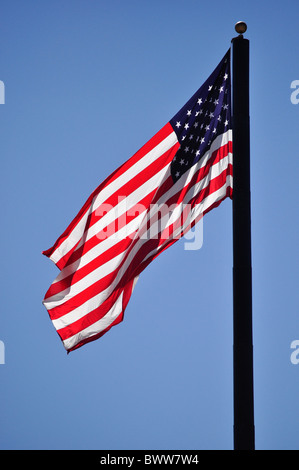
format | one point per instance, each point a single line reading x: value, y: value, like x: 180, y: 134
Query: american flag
x: 141, y: 209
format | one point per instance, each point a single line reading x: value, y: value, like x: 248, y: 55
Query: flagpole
x: 244, y: 434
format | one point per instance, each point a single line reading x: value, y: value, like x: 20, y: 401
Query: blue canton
x: 205, y: 116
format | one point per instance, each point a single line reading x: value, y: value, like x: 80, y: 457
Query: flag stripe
x: 155, y: 147
x: 99, y: 287
x: 98, y: 248
x: 141, y: 243
x: 205, y: 206
x: 95, y: 331
x: 92, y: 276
x: 140, y: 210
x: 135, y: 196
x: 100, y: 312
x: 100, y: 253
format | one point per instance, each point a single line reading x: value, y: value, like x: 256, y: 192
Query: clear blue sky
x: 87, y: 83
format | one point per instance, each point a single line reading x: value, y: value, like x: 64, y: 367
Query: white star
x: 186, y: 149
x: 202, y: 140
x: 210, y: 87
x: 196, y: 124
x: 184, y: 137
x: 207, y: 128
x: 216, y: 102
x: 225, y: 106
x: 219, y: 118
x: 191, y: 137
x: 226, y: 123
x: 221, y: 89
x: 214, y: 130
x: 186, y: 126
x: 189, y: 112
x: 225, y: 76
x: 199, y: 101
x: 178, y: 124
x: 211, y: 115
x: 177, y: 174
x: 182, y: 161
x: 197, y: 153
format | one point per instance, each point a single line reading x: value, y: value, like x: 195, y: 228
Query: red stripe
x: 114, y: 199
x: 78, y: 274
x: 126, y: 297
x: 153, y: 142
x: 102, y: 284
x: 141, y: 268
x: 134, y: 183
x: 90, y: 318
x: 113, y: 227
x: 215, y: 158
x: 137, y: 265
x: 180, y: 195
x: 116, y: 249
x: 116, y: 225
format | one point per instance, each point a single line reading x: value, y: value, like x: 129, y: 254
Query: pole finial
x: 241, y: 27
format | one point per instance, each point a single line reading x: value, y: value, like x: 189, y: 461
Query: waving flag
x: 142, y: 208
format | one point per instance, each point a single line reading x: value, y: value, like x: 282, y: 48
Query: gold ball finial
x: 241, y: 27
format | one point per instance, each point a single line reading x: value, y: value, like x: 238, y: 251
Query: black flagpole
x: 244, y: 438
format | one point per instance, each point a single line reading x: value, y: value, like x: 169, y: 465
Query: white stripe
x: 101, y: 247
x: 96, y: 327
x: 124, y: 205
x: 185, y: 179
x: 107, y: 191
x: 100, y: 325
x: 108, y: 267
x: 197, y: 212
x: 214, y: 171
x: 98, y: 299
x: 135, y: 169
x: 71, y: 240
x: 142, y: 230
x: 105, y: 269
x: 87, y: 281
x: 144, y: 235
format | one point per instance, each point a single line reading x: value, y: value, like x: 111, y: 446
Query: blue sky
x: 87, y: 83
